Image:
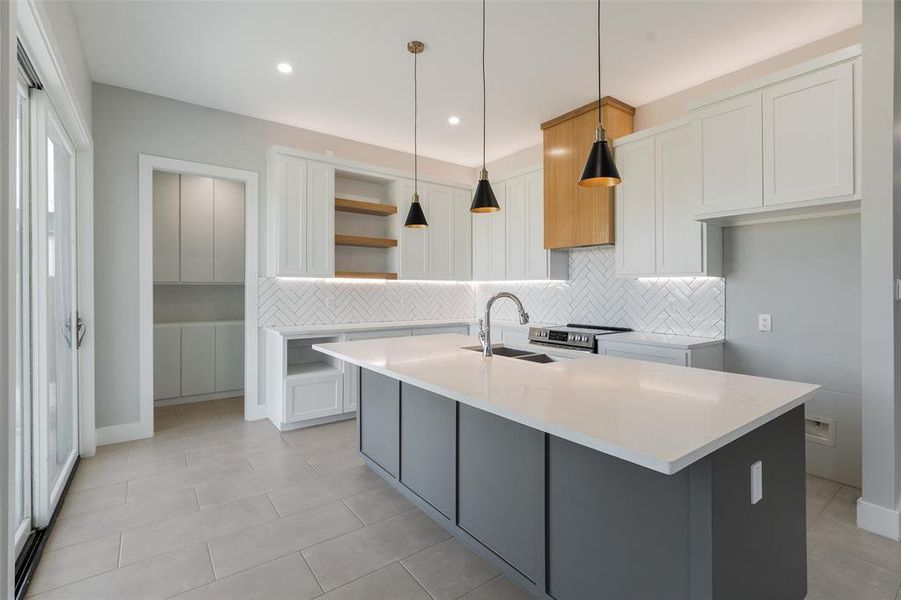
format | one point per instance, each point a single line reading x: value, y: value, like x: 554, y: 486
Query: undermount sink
x: 501, y: 350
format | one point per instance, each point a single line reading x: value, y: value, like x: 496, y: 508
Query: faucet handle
x: 481, y: 326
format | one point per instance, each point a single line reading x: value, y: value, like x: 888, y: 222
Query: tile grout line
x: 828, y: 502
x: 419, y: 583
x: 313, y: 573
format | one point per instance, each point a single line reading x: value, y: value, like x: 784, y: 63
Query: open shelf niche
x: 367, y: 226
x: 302, y: 361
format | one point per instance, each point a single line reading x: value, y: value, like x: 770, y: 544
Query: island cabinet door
x: 616, y: 530
x: 380, y: 420
x: 500, y: 479
x: 428, y: 446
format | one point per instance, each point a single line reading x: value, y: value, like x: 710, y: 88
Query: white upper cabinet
x: 462, y: 235
x: 414, y: 243
x: 635, y: 208
x: 509, y: 245
x: 655, y: 228
x: 301, y: 218
x: 730, y: 135
x: 680, y: 240
x: 808, y: 137
x: 197, y: 245
x: 441, y: 232
x: 228, y: 231
x: 198, y: 229
x: 783, y: 146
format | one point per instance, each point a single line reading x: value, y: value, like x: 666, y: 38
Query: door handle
x: 81, y: 331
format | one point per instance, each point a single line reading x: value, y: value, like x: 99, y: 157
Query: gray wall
x: 806, y: 274
x: 128, y: 123
x: 174, y: 303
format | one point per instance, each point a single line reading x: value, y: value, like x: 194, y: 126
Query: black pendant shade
x: 484, y: 201
x: 600, y: 170
x: 415, y: 216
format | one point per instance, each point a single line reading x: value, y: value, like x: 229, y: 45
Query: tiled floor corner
x: 215, y: 507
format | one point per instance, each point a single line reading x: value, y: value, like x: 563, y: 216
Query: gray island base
x: 568, y: 522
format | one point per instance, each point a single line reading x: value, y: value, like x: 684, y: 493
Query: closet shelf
x: 366, y: 242
x: 365, y: 275
x: 365, y: 208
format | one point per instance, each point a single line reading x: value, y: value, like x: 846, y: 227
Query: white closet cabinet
x: 655, y: 229
x: 441, y: 232
x: 510, y: 244
x: 229, y: 353
x: 198, y: 229
x: 198, y: 359
x: 228, y: 231
x: 166, y: 207
x: 462, y: 235
x: 166, y: 361
x: 784, y: 146
x: 302, y: 217
x: 808, y: 137
x: 413, y: 246
x: 197, y: 222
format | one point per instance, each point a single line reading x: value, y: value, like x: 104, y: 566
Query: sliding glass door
x: 22, y: 492
x: 56, y: 403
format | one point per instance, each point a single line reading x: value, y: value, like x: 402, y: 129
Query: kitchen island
x: 597, y: 477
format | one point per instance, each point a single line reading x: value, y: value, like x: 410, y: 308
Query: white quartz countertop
x: 659, y: 416
x: 662, y: 339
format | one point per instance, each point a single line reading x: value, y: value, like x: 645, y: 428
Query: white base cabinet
x: 196, y: 361
x: 703, y: 357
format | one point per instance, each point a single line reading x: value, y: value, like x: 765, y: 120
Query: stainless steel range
x: 573, y: 336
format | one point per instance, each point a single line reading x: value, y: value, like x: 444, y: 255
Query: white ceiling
x: 353, y: 76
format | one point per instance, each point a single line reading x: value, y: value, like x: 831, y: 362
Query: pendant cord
x: 599, y: 64
x: 415, y: 128
x: 484, y: 92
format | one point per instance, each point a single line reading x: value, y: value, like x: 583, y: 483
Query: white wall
x: 880, y: 240
x: 806, y: 274
x: 127, y: 123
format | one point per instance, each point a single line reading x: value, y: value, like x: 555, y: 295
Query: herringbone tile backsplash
x: 593, y: 295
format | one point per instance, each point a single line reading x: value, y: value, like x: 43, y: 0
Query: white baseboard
x: 314, y: 422
x: 127, y: 432
x: 198, y: 398
x: 878, y: 519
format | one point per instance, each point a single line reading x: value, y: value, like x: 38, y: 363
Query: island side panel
x: 429, y: 447
x: 501, y: 487
x: 615, y: 530
x: 380, y: 420
x: 767, y: 539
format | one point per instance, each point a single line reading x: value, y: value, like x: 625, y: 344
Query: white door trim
x: 147, y: 164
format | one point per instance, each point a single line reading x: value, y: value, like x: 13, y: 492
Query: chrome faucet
x: 485, y: 325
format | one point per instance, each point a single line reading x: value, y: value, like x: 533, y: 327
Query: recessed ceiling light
x: 454, y: 120
x: 284, y: 67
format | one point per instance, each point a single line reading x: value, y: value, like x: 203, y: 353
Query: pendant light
x: 415, y: 216
x: 483, y: 201
x: 600, y: 170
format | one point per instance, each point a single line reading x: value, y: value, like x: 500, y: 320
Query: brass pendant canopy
x: 415, y: 216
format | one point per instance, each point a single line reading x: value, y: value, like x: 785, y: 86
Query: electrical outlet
x: 756, y: 482
x: 764, y: 323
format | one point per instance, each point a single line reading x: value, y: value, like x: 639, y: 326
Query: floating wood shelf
x: 364, y: 208
x: 365, y: 242
x: 364, y: 275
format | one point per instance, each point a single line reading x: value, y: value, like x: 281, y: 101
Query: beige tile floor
x: 215, y: 507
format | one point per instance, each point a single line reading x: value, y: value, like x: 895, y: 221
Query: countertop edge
x: 666, y: 467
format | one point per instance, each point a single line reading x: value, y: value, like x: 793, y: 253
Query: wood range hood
x: 575, y: 216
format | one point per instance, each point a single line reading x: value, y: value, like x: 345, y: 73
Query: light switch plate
x: 764, y: 323
x: 756, y: 482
